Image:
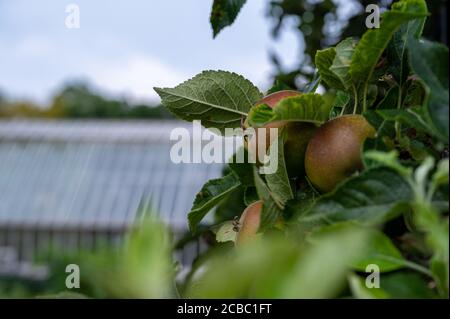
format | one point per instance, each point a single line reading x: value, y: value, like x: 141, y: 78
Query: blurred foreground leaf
x: 278, y: 267
x: 142, y: 268
x: 379, y: 249
x: 399, y: 285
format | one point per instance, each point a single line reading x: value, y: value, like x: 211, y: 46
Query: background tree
x: 321, y: 24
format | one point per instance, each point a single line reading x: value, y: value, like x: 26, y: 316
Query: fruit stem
x: 355, y: 106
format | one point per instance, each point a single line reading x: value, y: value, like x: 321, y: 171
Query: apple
x: 334, y: 151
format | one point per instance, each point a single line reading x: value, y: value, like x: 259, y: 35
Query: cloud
x: 135, y: 76
x: 34, y: 46
x: 126, y: 51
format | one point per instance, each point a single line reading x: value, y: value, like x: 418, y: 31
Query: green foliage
x: 210, y: 195
x: 378, y: 250
x: 309, y: 107
x: 401, y: 79
x: 79, y: 101
x: 410, y: 117
x: 278, y: 182
x: 320, y: 24
x: 223, y: 13
x: 244, y: 171
x: 373, y: 197
x: 341, y: 63
x: 273, y: 206
x: 360, y: 291
x: 141, y: 268
x: 273, y: 267
x: 401, y: 285
x: 324, y: 61
x: 374, y: 41
x: 397, y: 50
x: 430, y: 62
x: 219, y: 99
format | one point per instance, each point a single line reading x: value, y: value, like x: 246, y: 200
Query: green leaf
x: 250, y: 195
x: 278, y: 182
x: 385, y: 133
x: 250, y: 271
x: 342, y: 61
x: 361, y: 291
x: 384, y: 127
x: 415, y: 94
x: 429, y: 61
x: 243, y: 170
x: 309, y: 107
x: 261, y: 115
x: 209, y: 196
x: 146, y: 267
x: 441, y: 175
x: 373, y: 197
x: 230, y: 207
x: 223, y: 14
x: 219, y: 99
x: 439, y: 268
x: 397, y: 51
x: 321, y: 270
x: 436, y: 229
x: 381, y: 252
x: 312, y: 86
x: 272, y: 209
x: 374, y: 41
x: 405, y: 285
x: 277, y: 266
x: 324, y: 60
x: 141, y: 268
x: 389, y: 101
x: 397, y: 285
x: 341, y: 101
x: 304, y: 198
x: 411, y: 117
x: 419, y: 151
x: 389, y: 159
x: 379, y: 249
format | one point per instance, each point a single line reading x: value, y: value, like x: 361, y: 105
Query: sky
x: 124, y: 48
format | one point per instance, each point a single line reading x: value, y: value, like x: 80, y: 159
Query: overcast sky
x: 126, y: 47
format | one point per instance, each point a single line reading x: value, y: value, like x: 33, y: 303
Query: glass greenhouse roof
x: 93, y: 174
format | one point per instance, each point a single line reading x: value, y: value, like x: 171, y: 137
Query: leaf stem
x: 399, y: 105
x: 417, y: 267
x: 409, y: 264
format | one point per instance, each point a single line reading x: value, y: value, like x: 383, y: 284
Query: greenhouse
x: 73, y: 184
